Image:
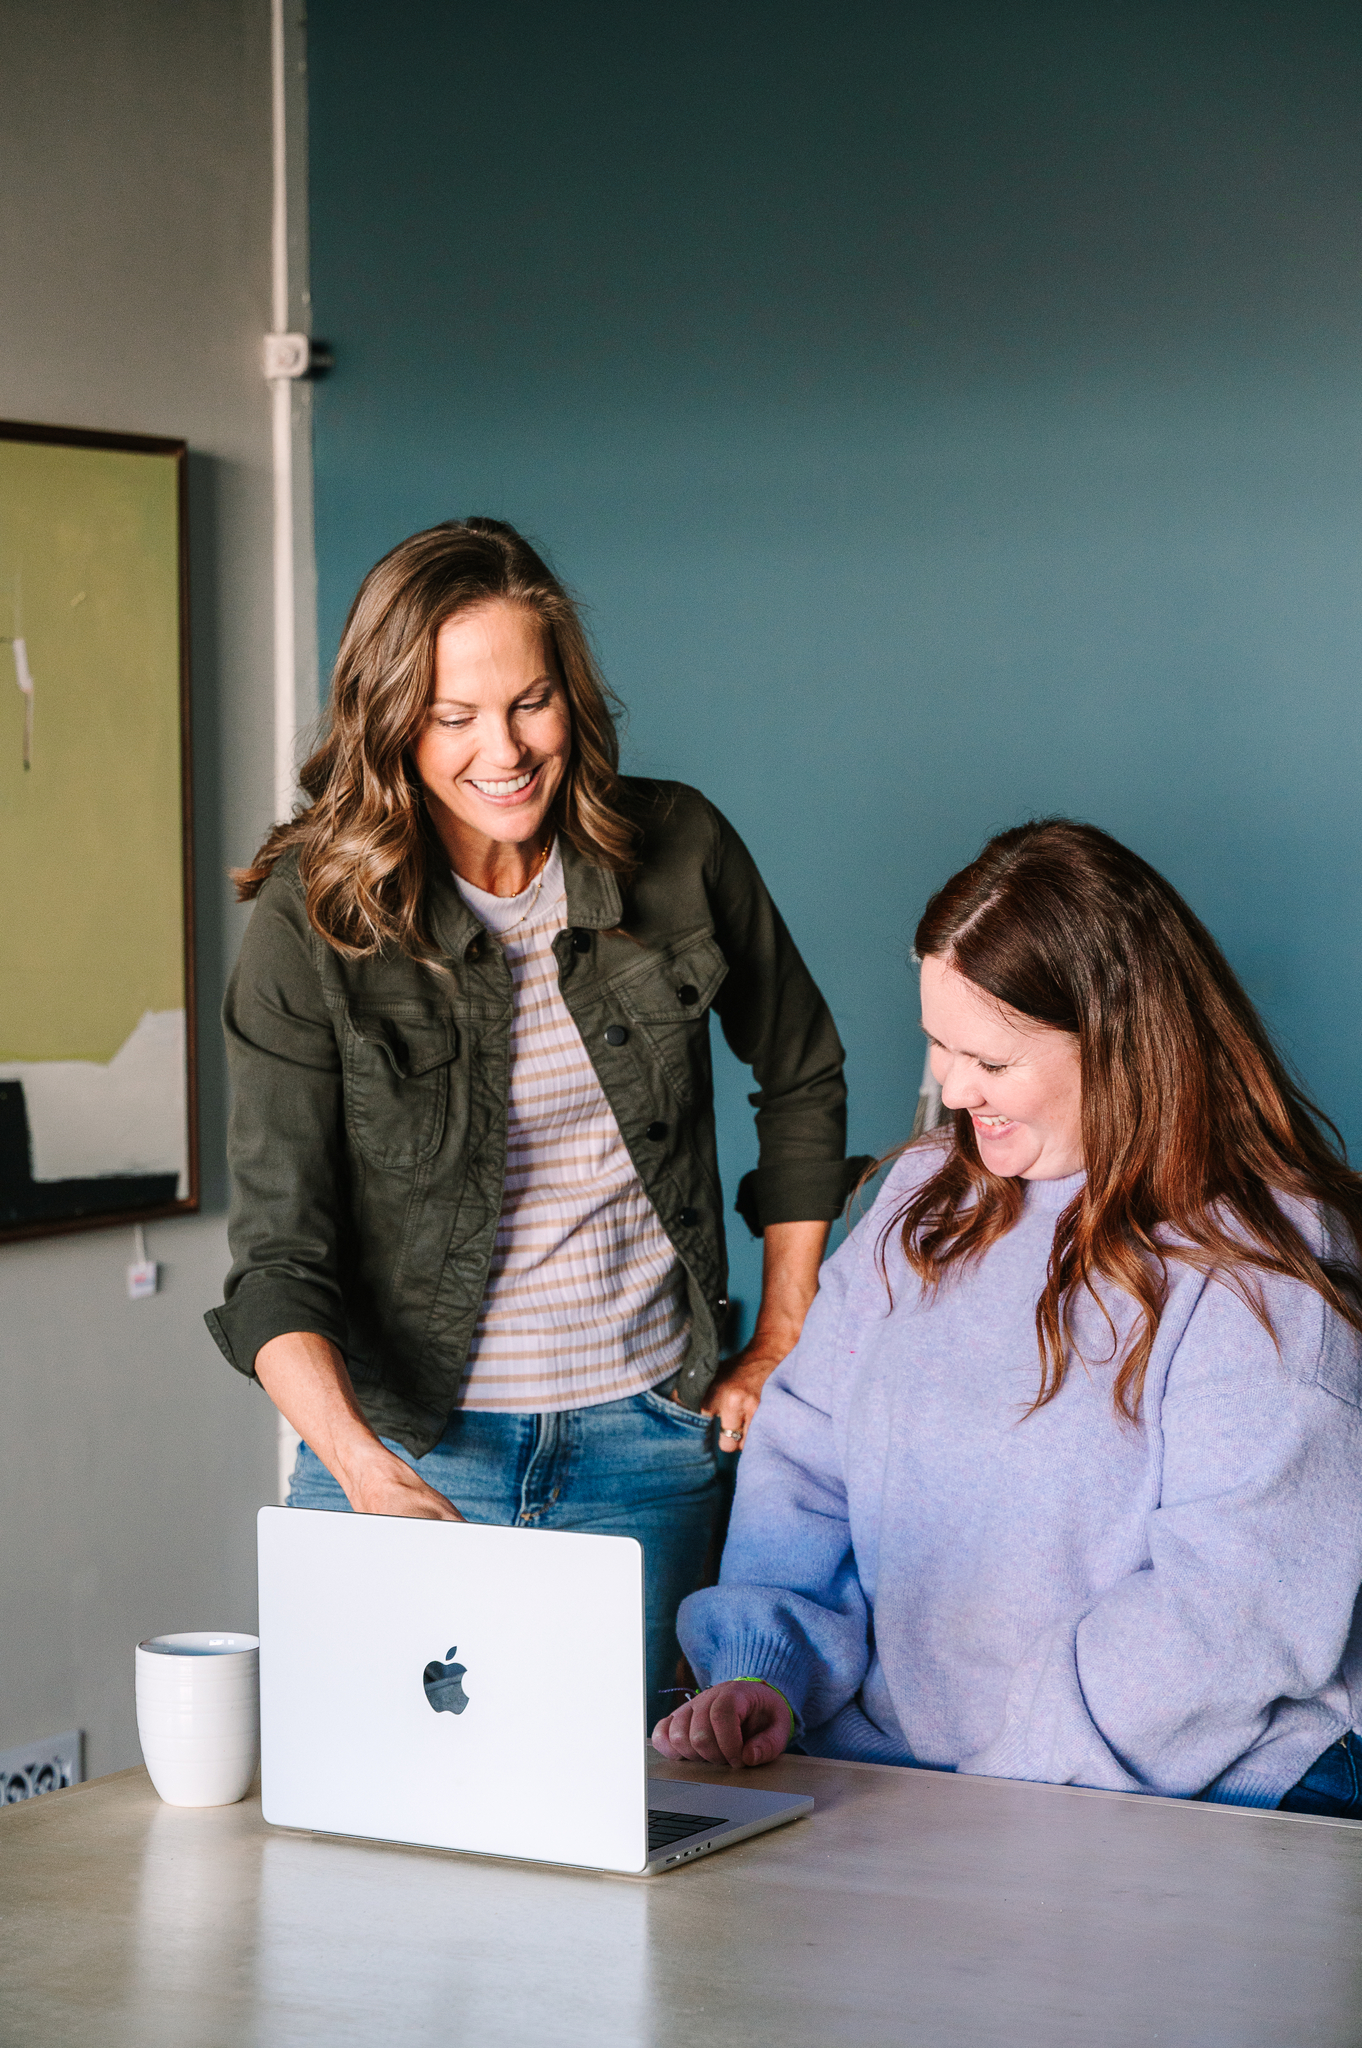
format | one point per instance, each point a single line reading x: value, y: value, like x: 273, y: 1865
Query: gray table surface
x: 911, y: 1907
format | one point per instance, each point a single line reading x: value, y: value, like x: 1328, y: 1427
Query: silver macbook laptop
x: 474, y: 1688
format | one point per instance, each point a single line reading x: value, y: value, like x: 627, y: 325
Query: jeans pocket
x: 656, y: 1403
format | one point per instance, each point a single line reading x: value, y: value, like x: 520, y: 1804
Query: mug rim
x: 200, y: 1642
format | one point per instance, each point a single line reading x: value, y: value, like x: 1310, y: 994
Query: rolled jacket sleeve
x: 284, y: 1139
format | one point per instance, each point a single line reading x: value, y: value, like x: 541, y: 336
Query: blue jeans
x: 643, y: 1467
x: 1333, y: 1784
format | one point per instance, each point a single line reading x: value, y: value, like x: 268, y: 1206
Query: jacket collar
x: 593, y: 894
x: 594, y: 902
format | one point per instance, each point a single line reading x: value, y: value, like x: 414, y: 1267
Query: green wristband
x: 747, y: 1678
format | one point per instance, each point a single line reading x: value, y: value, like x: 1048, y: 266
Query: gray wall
x: 949, y: 412
x: 134, y: 260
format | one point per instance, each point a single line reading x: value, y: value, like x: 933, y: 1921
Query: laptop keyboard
x: 665, y: 1828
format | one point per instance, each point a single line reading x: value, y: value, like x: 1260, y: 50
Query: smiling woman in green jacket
x: 476, y: 1224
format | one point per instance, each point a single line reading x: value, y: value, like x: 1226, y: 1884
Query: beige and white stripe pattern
x: 585, y: 1298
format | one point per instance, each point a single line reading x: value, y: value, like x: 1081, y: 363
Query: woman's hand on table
x: 742, y: 1723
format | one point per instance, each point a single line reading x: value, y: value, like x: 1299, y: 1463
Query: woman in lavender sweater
x: 1063, y: 1480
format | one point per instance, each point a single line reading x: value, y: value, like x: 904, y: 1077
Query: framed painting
x: 98, y: 1104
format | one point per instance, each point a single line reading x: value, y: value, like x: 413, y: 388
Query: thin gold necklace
x: 536, y: 882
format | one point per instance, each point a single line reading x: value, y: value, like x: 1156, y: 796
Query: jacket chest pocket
x: 397, y: 1080
x: 668, y: 999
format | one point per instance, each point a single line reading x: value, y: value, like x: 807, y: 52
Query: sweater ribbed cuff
x: 1245, y: 1788
x: 1264, y: 1778
x: 1242, y: 1792
x: 767, y: 1660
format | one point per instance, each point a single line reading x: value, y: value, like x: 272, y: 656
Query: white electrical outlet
x: 144, y: 1275
x: 36, y: 1767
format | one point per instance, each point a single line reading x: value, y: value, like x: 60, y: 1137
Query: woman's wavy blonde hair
x: 363, y: 840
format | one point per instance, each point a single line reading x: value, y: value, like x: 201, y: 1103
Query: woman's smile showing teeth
x: 510, y: 787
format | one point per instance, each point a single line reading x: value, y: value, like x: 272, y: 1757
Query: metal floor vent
x: 36, y: 1767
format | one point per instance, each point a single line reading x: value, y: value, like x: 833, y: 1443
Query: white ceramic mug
x: 198, y: 1715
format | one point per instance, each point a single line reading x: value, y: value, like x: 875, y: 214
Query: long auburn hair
x: 363, y: 839
x: 1191, y: 1124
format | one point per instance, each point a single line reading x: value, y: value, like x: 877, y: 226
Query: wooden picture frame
x: 98, y: 1076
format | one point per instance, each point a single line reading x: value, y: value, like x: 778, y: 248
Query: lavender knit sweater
x: 933, y: 1579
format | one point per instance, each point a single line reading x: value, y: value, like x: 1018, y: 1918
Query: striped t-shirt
x: 585, y: 1298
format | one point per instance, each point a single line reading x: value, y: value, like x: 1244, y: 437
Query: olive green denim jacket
x: 368, y: 1129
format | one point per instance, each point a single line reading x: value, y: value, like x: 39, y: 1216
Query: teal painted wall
x: 949, y: 414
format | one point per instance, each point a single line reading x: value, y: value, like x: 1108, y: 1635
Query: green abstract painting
x: 97, y: 1103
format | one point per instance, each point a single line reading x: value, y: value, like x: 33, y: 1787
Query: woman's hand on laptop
x: 392, y: 1488
x: 308, y: 1382
x: 742, y: 1722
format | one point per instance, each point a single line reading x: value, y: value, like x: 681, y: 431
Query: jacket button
x: 690, y: 1217
x: 655, y: 1133
x: 687, y: 993
x: 581, y: 942
x: 615, y: 1034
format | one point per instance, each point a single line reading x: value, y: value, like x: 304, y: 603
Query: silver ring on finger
x: 734, y: 1435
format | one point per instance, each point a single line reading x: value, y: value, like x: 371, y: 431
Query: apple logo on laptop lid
x: 444, y: 1684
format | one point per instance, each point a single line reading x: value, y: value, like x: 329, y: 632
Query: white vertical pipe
x: 285, y: 688
x: 281, y: 420
x: 281, y: 402
x: 279, y: 143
